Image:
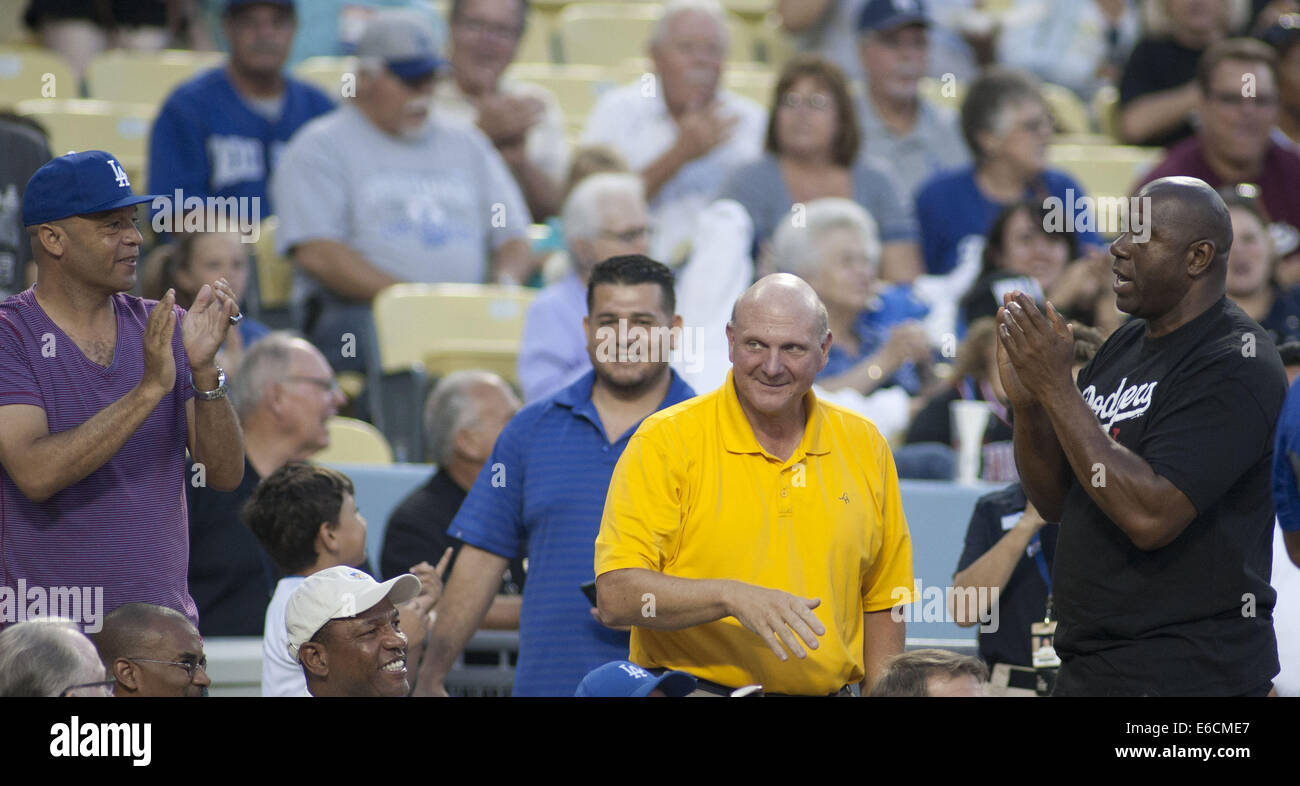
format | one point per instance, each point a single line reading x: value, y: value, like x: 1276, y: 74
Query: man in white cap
x: 343, y: 630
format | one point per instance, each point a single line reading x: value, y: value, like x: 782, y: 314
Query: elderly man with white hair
x: 679, y: 130
x: 463, y: 417
x: 604, y: 216
x: 47, y: 657
x: 284, y: 394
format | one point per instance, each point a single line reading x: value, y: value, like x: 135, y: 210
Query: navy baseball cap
x: 623, y: 678
x: 405, y: 42
x: 234, y: 5
x: 891, y: 15
x: 75, y: 185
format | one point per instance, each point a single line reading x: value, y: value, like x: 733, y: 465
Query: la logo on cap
x: 119, y: 174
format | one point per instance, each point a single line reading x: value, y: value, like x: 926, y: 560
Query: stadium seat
x: 144, y: 77
x: 538, y: 43
x: 28, y: 73
x: 605, y: 34
x: 1067, y: 109
x: 327, y: 73
x: 83, y: 124
x: 754, y: 84
x: 1105, y: 108
x: 1104, y: 170
x: 354, y: 442
x: 576, y: 87
x: 426, y: 330
x: 772, y: 45
x: 273, y: 277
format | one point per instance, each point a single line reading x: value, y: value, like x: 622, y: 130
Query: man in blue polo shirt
x: 220, y: 133
x: 543, y: 490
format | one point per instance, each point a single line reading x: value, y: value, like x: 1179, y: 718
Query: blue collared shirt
x: 553, y: 351
x: 542, y: 492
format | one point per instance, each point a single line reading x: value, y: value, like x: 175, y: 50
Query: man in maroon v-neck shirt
x: 100, y: 394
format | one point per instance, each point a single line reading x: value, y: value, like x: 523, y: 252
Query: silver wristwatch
x: 211, y: 395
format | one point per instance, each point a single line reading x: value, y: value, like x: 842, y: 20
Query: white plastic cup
x: 969, y: 420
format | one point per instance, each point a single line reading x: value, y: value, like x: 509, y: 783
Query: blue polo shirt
x: 542, y: 493
x: 1286, y: 450
x: 207, y: 141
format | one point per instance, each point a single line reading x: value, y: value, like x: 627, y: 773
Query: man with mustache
x: 380, y: 191
x: 220, y: 133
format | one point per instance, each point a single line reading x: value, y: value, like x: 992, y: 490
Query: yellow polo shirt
x: 695, y: 496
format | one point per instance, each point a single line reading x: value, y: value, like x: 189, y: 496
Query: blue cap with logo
x: 76, y: 185
x: 891, y: 15
x: 404, y: 40
x: 624, y: 678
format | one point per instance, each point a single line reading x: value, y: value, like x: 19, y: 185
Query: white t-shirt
x: 634, y: 120
x: 281, y: 674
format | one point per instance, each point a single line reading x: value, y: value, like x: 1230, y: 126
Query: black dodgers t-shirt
x: 1195, y: 617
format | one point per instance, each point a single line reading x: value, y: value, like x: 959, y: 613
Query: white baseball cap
x: 338, y: 593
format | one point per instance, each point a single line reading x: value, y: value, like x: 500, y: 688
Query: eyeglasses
x: 480, y: 27
x: 191, y: 667
x: 103, y: 687
x: 1036, y: 125
x: 329, y: 385
x: 628, y: 235
x: 818, y: 102
x: 1235, y: 98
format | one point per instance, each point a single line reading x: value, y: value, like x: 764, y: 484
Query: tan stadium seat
x: 1104, y: 170
x: 28, y: 73
x: 605, y: 34
x: 82, y: 124
x: 354, y: 442
x: 331, y: 74
x: 576, y: 88
x: 1067, y: 109
x: 1105, y: 107
x: 144, y: 77
x: 274, y: 272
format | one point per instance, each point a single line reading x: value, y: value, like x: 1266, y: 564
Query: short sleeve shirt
x: 695, y: 496
x: 124, y: 527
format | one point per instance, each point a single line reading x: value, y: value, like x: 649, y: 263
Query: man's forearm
x: 474, y: 581
x: 1157, y: 113
x: 503, y: 614
x: 54, y: 462
x: 649, y: 599
x: 542, y: 194
x: 993, y: 570
x: 1040, y: 460
x: 218, y: 441
x: 342, y: 270
x: 1148, y: 508
x: 512, y: 262
x: 882, y: 638
x: 662, y: 169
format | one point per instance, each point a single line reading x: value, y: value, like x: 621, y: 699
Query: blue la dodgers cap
x: 75, y: 185
x: 623, y: 678
x: 891, y: 15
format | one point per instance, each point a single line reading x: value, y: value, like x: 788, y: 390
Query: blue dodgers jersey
x: 207, y: 141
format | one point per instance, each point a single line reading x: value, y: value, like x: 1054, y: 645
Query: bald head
x: 135, y: 629
x: 786, y: 295
x: 1190, y: 212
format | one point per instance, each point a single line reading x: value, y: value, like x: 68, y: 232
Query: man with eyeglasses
x: 681, y: 131
x: 523, y: 120
x: 152, y: 651
x: 285, y: 394
x: 382, y: 190
x: 902, y: 131
x: 1237, y: 79
x: 604, y: 216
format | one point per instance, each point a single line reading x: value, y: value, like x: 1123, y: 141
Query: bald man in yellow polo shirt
x: 755, y: 535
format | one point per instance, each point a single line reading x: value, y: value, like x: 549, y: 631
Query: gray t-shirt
x: 431, y: 209
x: 935, y: 143
x: 761, y: 189
x: 24, y: 152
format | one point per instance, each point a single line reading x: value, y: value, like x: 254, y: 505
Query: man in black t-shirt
x: 1163, y: 559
